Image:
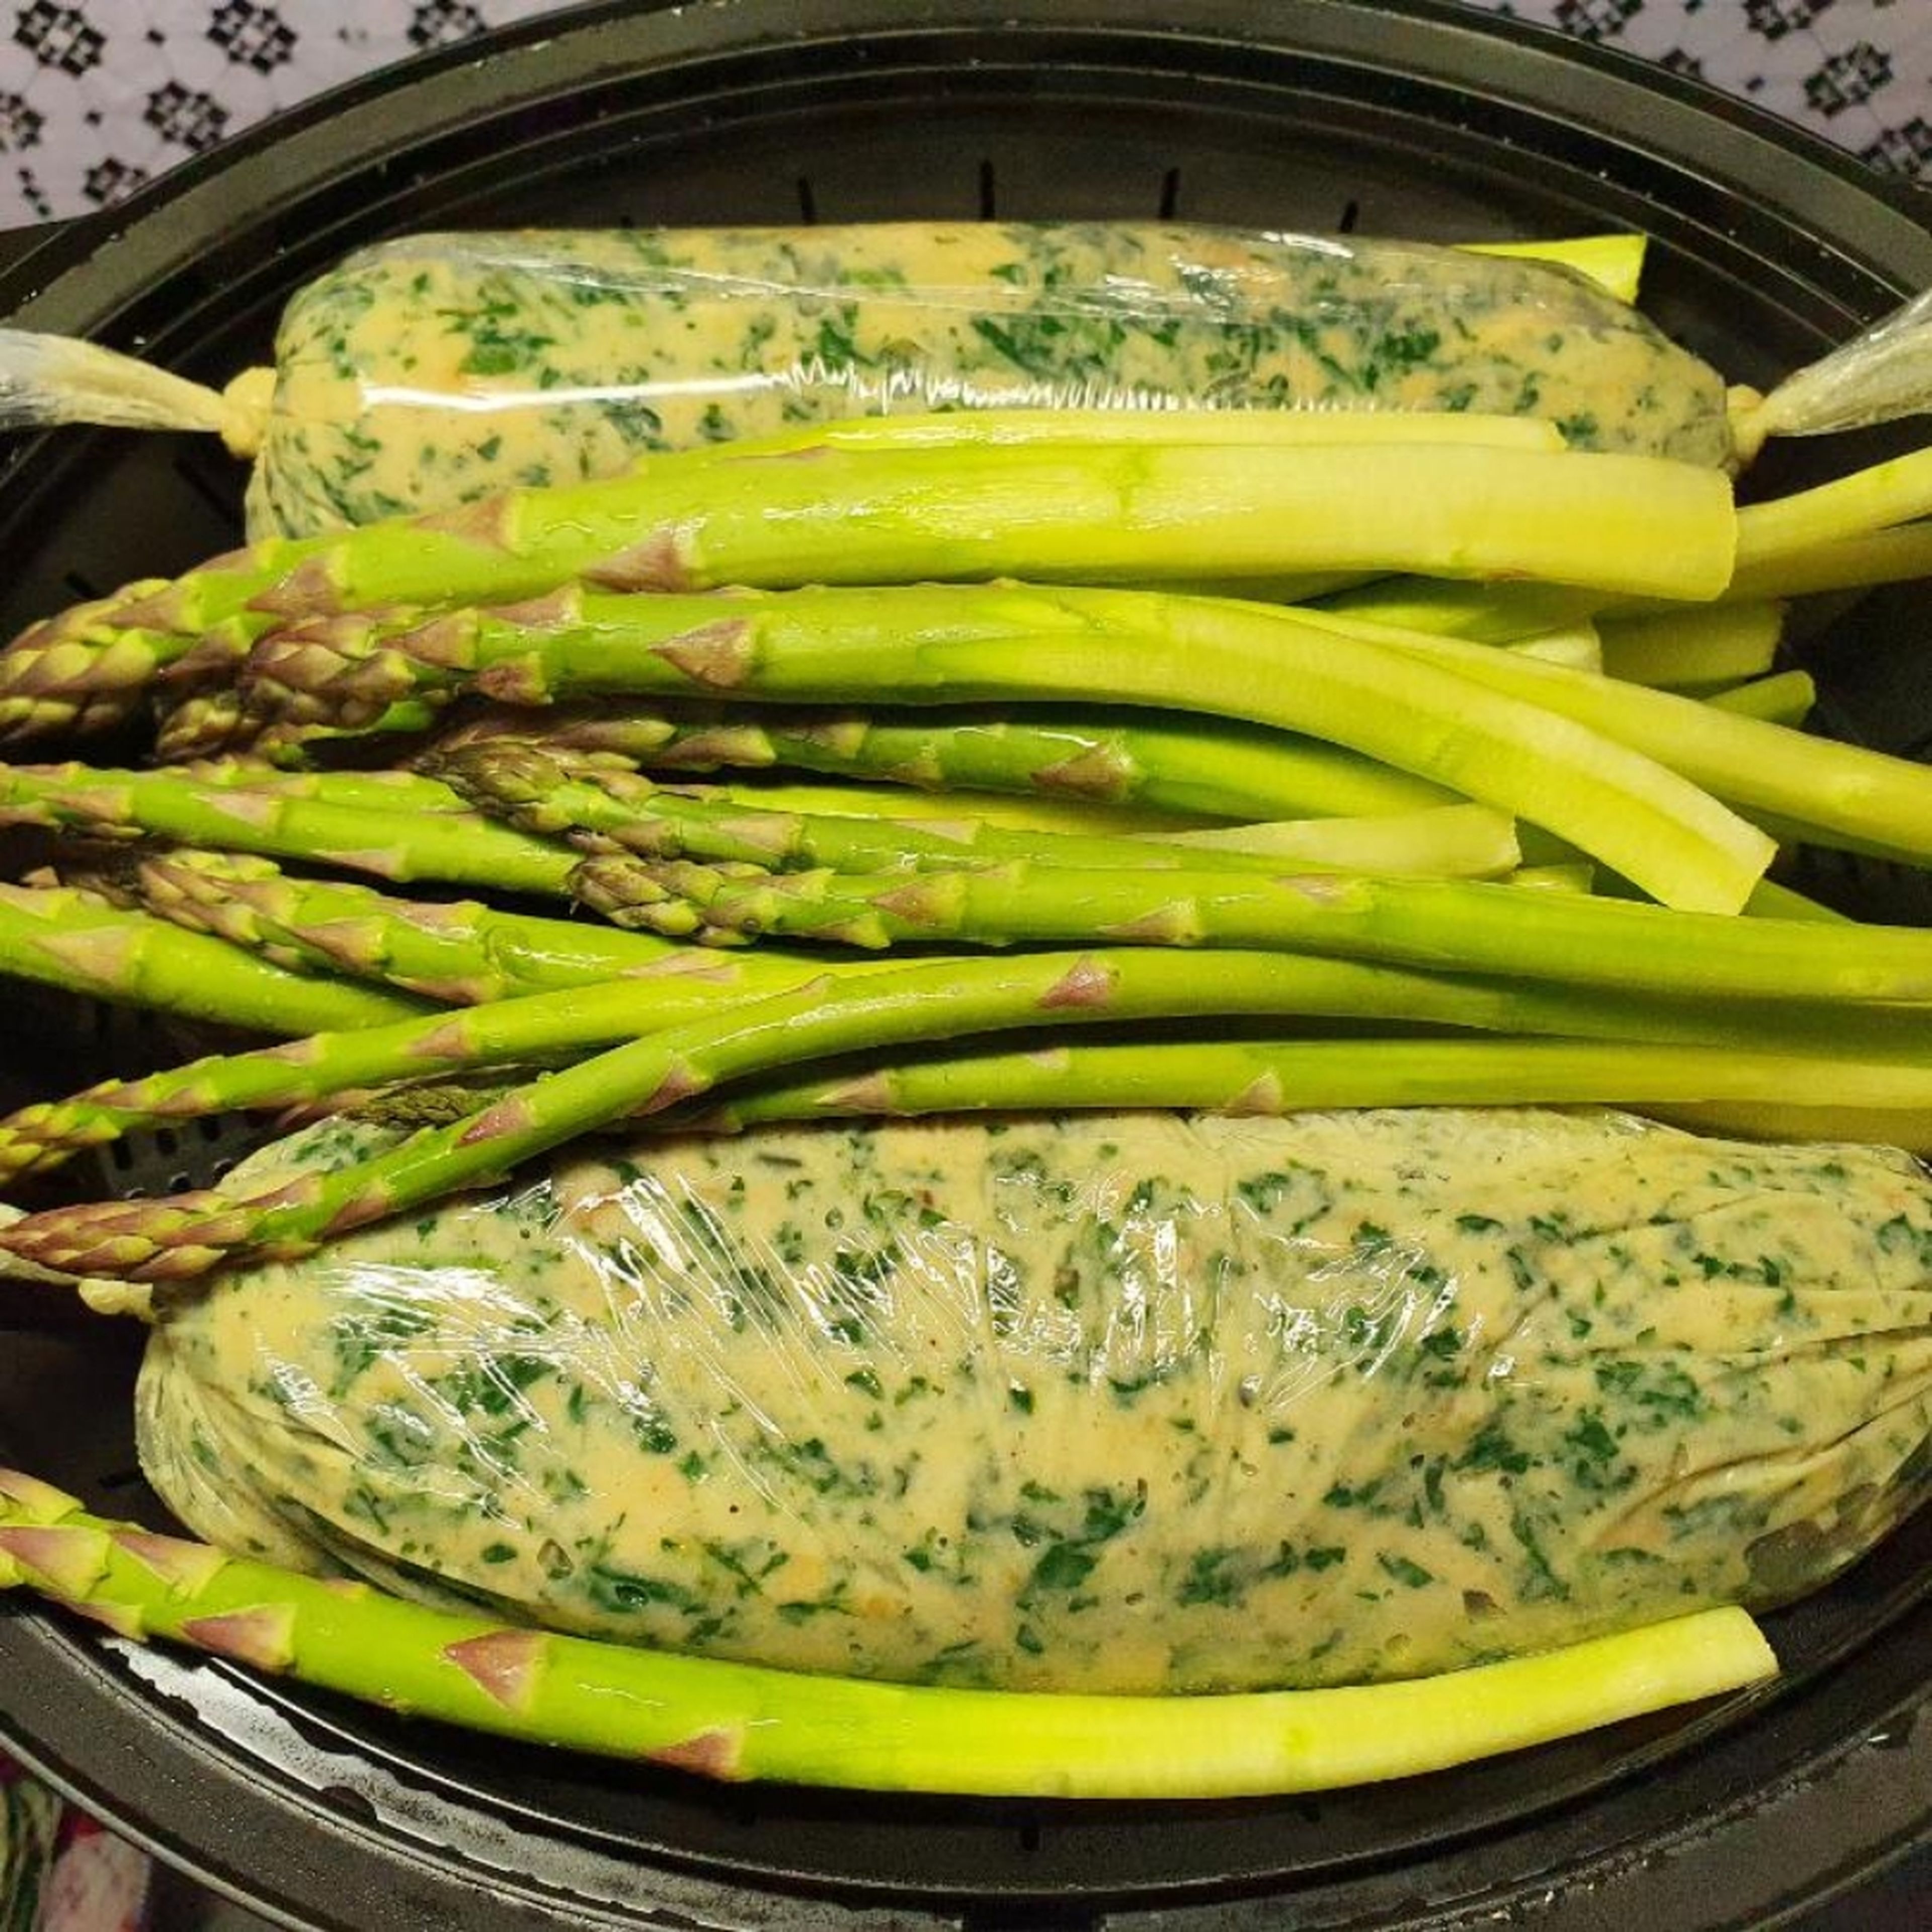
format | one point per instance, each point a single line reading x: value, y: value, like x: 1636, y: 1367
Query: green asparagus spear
x: 554, y: 1027
x: 1840, y: 794
x: 612, y: 738
x: 739, y: 1722
x: 188, y: 1235
x: 1895, y: 556
x: 949, y: 643
x: 74, y: 940
x: 1172, y: 761
x: 460, y: 953
x: 458, y: 847
x: 1898, y: 491
x: 916, y: 499
x: 1269, y: 1075
x: 534, y: 1030
x: 1480, y: 927
x: 368, y: 791
x: 851, y: 798
x: 601, y: 809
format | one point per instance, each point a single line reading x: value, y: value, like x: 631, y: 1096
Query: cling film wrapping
x: 1881, y: 375
x: 442, y: 367
x: 1141, y: 1403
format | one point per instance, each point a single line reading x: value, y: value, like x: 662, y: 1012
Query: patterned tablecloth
x: 59, y: 1872
x: 98, y: 97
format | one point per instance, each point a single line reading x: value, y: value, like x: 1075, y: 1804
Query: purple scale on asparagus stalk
x: 928, y: 899
x: 386, y: 862
x: 91, y: 955
x: 310, y: 590
x: 868, y: 1093
x: 66, y: 1561
x: 1263, y: 1095
x: 713, y: 1754
x: 960, y: 831
x: 263, y: 1636
x: 1094, y: 773
x: 720, y: 654
x: 486, y: 523
x: 322, y: 651
x: 371, y: 1204
x: 23, y: 1494
x: 431, y: 916
x: 184, y: 1262
x: 1087, y: 982
x: 518, y: 681
x: 448, y: 643
x: 721, y: 744
x: 450, y: 1041
x: 512, y: 1114
x: 213, y: 657
x: 843, y: 735
x: 553, y: 610
x: 706, y: 966
x: 185, y: 1567
x: 186, y: 1103
x: 769, y: 832
x: 123, y: 1620
x: 648, y: 838
x: 246, y: 807
x: 91, y: 803
x: 32, y: 640
x: 355, y: 942
x: 680, y: 1082
x: 304, y: 1191
x: 296, y: 1052
x: 52, y: 669
x: 660, y: 562
x: 1177, y: 923
x: 504, y: 1664
x: 153, y: 604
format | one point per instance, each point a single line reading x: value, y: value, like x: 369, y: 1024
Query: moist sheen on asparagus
x: 1090, y: 499
x: 1135, y: 1403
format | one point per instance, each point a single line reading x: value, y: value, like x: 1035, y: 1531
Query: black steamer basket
x: 1415, y: 120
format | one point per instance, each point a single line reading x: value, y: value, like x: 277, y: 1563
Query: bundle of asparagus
x: 1416, y: 821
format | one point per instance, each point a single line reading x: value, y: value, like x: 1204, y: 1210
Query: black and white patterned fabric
x: 99, y: 96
